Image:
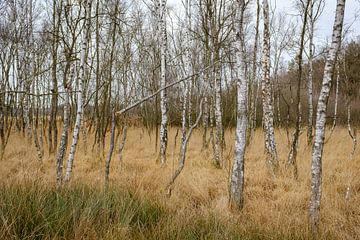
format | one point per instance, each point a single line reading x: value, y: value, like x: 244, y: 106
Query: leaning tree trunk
x: 63, y: 139
x: 316, y: 164
x: 163, y: 97
x: 80, y: 96
x: 295, y: 141
x: 268, y: 112
x: 183, y: 149
x: 310, y: 77
x: 237, y: 174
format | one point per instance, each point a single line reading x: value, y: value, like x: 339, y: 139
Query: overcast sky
x: 326, y: 21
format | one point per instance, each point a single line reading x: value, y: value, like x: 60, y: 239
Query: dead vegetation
x: 274, y: 208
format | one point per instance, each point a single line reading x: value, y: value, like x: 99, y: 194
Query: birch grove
x: 227, y: 87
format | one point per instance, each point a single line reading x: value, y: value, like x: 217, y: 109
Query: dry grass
x: 274, y: 208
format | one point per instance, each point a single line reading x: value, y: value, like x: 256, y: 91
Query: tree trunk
x: 163, y: 97
x: 268, y: 112
x: 182, y: 155
x: 63, y: 139
x: 237, y: 174
x: 295, y: 142
x: 80, y: 96
x: 310, y: 76
x: 188, y: 71
x: 111, y: 149
x: 254, y: 79
x: 316, y: 163
x: 218, y: 117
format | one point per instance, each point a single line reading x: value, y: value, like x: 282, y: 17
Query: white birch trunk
x: 188, y: 71
x: 205, y: 122
x: 80, y: 96
x: 268, y: 112
x: 111, y: 149
x: 35, y: 130
x: 29, y: 68
x: 237, y: 174
x: 63, y: 139
x: 316, y: 164
x: 336, y: 98
x: 218, y: 118
x: 310, y: 76
x: 163, y: 97
x: 122, y: 143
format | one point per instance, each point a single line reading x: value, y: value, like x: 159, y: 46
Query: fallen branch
x: 159, y: 90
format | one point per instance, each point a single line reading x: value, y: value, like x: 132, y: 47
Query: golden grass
x: 273, y: 207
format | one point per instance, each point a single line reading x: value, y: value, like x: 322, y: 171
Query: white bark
x: 205, y: 122
x: 218, y: 118
x: 254, y: 79
x: 316, y: 164
x: 310, y: 75
x: 182, y: 155
x: 336, y: 98
x: 80, y: 97
x: 163, y: 97
x: 35, y: 130
x: 188, y: 71
x: 63, y: 139
x: 268, y: 112
x: 122, y: 143
x: 111, y: 148
x: 29, y: 68
x: 237, y: 174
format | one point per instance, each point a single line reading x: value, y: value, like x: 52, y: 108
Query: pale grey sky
x: 326, y: 21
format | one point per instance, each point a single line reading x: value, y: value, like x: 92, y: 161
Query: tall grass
x: 135, y: 205
x: 35, y: 212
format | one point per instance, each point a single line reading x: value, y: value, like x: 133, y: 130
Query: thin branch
x: 131, y: 106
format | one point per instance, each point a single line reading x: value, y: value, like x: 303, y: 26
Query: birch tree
x: 316, y: 163
x: 295, y: 141
x: 183, y: 149
x: 237, y: 174
x: 268, y: 112
x: 254, y: 79
x: 69, y: 39
x: 163, y: 96
x: 188, y: 69
x: 80, y: 95
x: 52, y: 130
x: 315, y: 10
